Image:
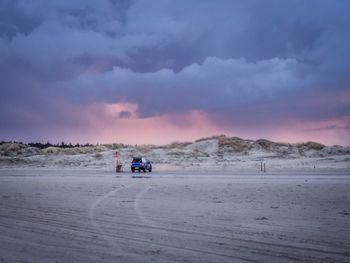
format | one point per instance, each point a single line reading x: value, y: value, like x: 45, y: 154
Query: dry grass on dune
x: 210, y: 138
x: 270, y: 145
x: 14, y: 149
x: 75, y: 150
x: 311, y: 145
x: 229, y: 144
x: 233, y: 144
x: 216, y: 148
x: 175, y: 145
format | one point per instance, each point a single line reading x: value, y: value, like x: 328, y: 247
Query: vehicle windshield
x: 136, y: 160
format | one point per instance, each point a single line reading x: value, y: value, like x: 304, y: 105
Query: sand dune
x: 218, y: 152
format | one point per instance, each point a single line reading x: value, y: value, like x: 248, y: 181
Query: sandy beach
x: 97, y: 216
x: 136, y: 131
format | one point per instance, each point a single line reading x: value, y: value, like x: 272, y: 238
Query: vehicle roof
x: 139, y: 158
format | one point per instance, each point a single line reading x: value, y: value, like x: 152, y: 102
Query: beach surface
x: 66, y: 215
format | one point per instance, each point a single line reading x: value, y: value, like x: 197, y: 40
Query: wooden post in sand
x: 261, y: 166
x: 264, y: 167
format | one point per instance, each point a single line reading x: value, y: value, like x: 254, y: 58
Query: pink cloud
x: 329, y: 132
x: 102, y: 124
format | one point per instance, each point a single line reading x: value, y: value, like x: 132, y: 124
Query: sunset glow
x: 142, y: 72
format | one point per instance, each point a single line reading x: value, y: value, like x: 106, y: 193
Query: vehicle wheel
x: 144, y: 170
x: 132, y: 170
x: 150, y: 169
x: 139, y: 170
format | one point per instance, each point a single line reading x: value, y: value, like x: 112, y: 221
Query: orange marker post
x: 117, y: 162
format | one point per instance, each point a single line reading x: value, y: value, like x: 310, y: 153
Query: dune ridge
x: 216, y: 152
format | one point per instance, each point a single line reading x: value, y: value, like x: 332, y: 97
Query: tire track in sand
x: 139, y: 212
x: 92, y: 215
x: 152, y: 225
x: 256, y: 250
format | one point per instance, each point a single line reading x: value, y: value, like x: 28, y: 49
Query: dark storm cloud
x: 14, y: 21
x: 231, y: 59
x: 215, y: 83
x: 124, y: 114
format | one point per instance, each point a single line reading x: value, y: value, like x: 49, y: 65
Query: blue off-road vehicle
x: 141, y: 164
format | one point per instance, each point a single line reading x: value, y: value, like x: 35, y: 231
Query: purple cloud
x: 238, y: 61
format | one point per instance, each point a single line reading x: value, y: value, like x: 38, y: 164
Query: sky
x: 140, y: 71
